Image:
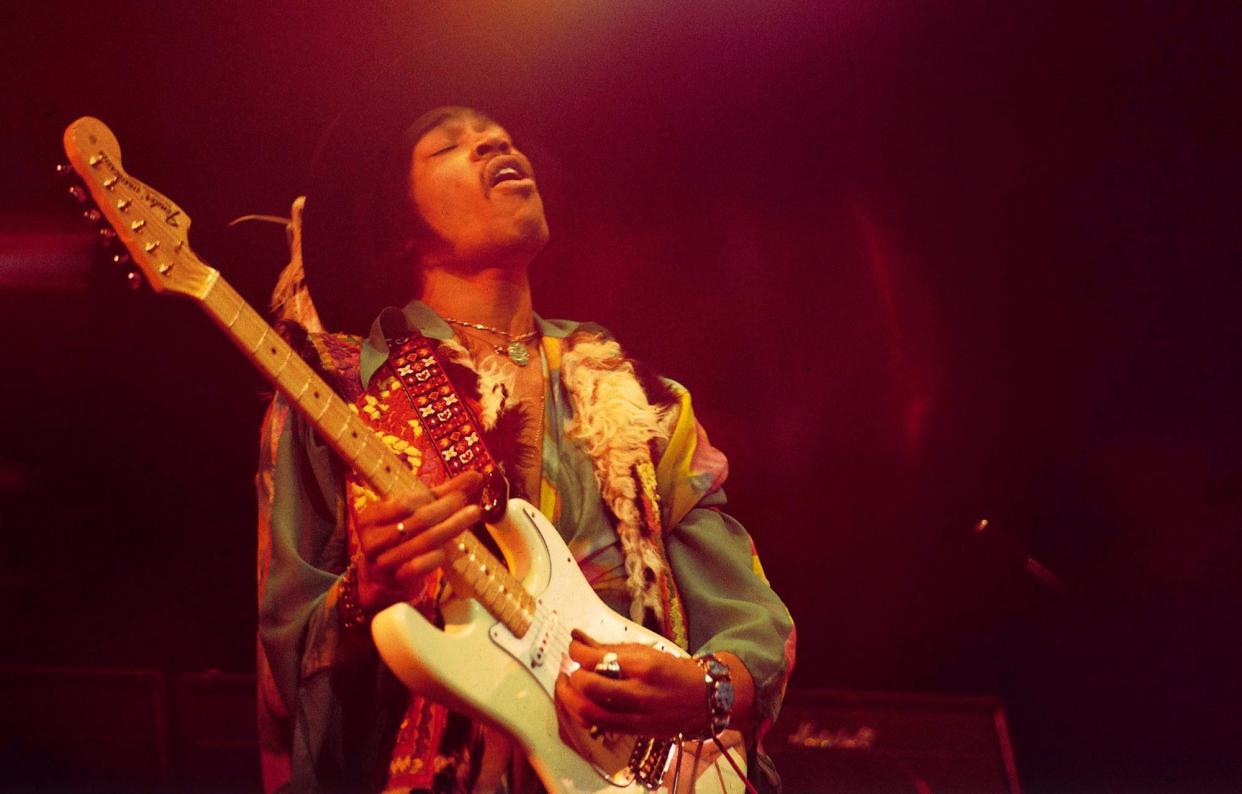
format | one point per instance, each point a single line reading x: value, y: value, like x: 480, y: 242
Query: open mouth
x: 506, y: 169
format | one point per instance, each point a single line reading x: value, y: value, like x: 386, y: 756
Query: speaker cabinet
x: 216, y: 742
x: 865, y: 742
x: 65, y: 728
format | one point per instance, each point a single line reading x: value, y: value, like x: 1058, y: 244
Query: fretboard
x: 472, y: 569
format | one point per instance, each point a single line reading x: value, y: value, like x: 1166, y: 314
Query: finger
x: 636, y: 660
x: 467, y: 482
x: 586, y: 655
x: 412, y: 525
x: 610, y: 694
x: 563, y: 721
x: 573, y: 702
x: 413, y: 571
x: 583, y: 637
x: 587, y: 713
x: 391, y: 509
x: 430, y: 539
x: 395, y: 508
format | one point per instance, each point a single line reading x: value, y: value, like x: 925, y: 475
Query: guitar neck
x: 472, y: 569
x: 304, y: 389
x: 154, y: 231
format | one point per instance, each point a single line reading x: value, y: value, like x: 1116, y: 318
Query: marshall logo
x: 813, y: 737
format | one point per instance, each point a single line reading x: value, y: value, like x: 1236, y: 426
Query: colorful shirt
x: 329, y: 710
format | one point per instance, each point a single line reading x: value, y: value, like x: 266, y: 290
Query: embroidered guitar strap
x: 447, y: 421
x: 450, y: 428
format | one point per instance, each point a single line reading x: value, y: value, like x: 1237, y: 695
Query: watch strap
x: 719, y: 684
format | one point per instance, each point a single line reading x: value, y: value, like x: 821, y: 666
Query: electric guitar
x: 507, y: 629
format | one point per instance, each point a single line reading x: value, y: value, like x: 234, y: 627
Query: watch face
x: 722, y: 698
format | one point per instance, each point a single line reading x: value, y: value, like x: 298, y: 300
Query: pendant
x: 517, y: 353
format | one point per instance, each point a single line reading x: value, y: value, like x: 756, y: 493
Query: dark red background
x: 919, y: 263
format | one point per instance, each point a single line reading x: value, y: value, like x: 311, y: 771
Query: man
x: 612, y: 457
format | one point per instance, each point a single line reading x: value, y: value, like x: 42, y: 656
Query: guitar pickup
x: 539, y: 648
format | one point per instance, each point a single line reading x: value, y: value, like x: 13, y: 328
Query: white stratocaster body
x: 476, y: 664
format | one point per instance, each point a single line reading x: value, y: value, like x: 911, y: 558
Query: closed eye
x: 445, y: 150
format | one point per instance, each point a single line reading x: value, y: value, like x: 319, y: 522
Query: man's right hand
x: 401, y: 538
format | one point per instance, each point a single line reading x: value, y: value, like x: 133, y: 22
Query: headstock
x: 150, y: 226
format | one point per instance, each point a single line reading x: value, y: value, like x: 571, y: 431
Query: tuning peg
x: 133, y: 279
x: 120, y: 259
x: 106, y: 235
x: 64, y: 170
x: 78, y: 193
x: 92, y: 215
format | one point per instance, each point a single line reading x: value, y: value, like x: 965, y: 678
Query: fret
x: 240, y: 304
x: 284, y: 362
x: 361, y: 437
x: 487, y: 592
x: 512, y: 611
x: 363, y: 448
x: 389, y: 475
x: 327, y: 405
x: 258, y: 343
x: 347, y: 447
x: 379, y: 464
x: 250, y: 331
x: 284, y: 352
x: 402, y: 480
x: 296, y: 396
x: 333, y: 414
x: 300, y: 368
x: 384, y: 485
x: 464, y: 570
x: 341, y: 430
x: 216, y: 302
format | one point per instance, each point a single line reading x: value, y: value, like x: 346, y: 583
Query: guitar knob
x: 92, y: 215
x: 64, y: 170
x: 106, y: 235
x: 120, y: 259
x: 78, y: 193
x: 133, y: 279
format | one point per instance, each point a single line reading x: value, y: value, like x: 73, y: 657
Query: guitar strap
x: 450, y: 428
x: 447, y: 421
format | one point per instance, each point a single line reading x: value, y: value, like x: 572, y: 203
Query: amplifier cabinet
x: 864, y: 742
x: 65, y: 728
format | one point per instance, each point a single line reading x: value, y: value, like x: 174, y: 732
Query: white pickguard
x: 476, y: 665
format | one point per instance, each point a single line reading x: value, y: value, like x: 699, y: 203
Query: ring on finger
x: 609, y: 666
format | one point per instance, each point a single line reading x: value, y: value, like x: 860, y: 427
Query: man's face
x: 475, y: 194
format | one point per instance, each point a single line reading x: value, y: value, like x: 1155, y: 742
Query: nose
x: 492, y: 143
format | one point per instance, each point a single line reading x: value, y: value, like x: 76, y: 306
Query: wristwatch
x: 719, y: 693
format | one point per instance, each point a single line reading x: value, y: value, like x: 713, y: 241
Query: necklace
x: 515, y: 350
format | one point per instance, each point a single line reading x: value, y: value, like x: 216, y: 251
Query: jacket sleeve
x: 730, y: 605
x: 321, y: 689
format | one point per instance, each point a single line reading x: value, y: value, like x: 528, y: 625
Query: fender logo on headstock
x: 153, y: 200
